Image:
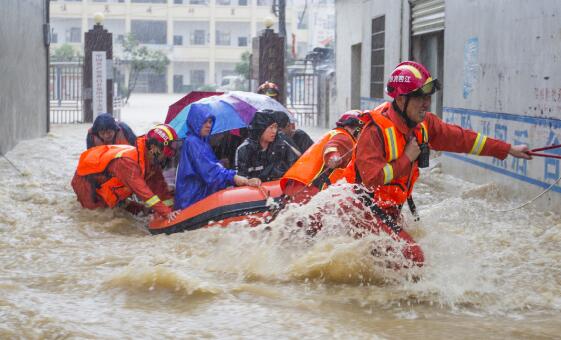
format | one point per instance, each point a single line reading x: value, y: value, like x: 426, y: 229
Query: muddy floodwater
x: 66, y: 272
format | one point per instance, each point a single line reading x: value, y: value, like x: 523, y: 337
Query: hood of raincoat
x: 261, y: 121
x: 281, y: 118
x: 104, y: 121
x: 196, y: 120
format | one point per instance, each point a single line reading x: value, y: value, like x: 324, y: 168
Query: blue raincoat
x: 199, y: 173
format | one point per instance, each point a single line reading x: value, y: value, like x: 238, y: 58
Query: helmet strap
x: 411, y: 124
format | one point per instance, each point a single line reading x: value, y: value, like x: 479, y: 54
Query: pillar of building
x: 268, y: 60
x: 98, y: 71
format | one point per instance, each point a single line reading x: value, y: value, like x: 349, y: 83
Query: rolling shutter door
x: 427, y: 16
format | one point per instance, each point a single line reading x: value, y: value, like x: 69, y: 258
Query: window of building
x: 264, y: 2
x: 197, y: 77
x: 242, y: 41
x: 149, y: 32
x: 377, y: 57
x: 54, y: 37
x: 222, y: 38
x: 180, y: 2
x: 242, y: 2
x: 198, y: 37
x: 198, y: 2
x: 178, y: 40
x: 75, y: 35
x: 223, y: 2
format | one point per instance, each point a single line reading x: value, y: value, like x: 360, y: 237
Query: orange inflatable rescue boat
x: 257, y: 205
x: 249, y: 204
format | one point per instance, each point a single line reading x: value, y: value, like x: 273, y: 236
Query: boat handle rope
x: 534, y: 152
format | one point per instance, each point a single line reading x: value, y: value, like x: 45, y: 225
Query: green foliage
x: 140, y: 58
x: 64, y: 52
x: 242, y: 68
x: 209, y: 88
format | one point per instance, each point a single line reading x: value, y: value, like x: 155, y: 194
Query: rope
x: 12, y: 164
x: 530, y: 201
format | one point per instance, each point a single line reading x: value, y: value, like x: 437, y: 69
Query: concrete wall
x: 501, y: 77
x: 354, y: 26
x: 24, y: 70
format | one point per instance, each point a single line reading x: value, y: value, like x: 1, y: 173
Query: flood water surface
x: 68, y: 272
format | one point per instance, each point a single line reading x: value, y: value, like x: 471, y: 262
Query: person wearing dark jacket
x: 200, y: 173
x: 263, y: 154
x: 296, y: 137
x: 107, y: 131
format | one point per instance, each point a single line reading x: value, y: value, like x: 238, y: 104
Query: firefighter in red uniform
x: 109, y: 174
x: 323, y: 163
x: 396, y: 140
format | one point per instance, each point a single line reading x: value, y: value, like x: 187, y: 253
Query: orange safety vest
x: 95, y: 160
x: 395, y: 191
x: 310, y: 165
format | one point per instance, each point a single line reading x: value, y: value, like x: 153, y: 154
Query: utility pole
x: 282, y: 19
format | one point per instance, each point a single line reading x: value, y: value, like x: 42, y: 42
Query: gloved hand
x: 334, y: 161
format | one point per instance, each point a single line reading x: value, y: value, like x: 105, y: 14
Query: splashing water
x: 68, y: 272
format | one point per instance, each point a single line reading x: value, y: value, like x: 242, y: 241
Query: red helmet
x: 411, y: 78
x: 164, y: 136
x: 350, y: 118
x: 268, y: 88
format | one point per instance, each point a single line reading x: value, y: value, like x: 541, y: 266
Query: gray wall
x: 24, y: 72
x: 501, y: 77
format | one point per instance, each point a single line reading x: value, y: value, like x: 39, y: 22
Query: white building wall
x: 501, y: 60
x: 501, y: 78
x: 354, y: 26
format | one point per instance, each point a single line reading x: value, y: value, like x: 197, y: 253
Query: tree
x: 140, y: 58
x: 242, y: 68
x: 64, y: 52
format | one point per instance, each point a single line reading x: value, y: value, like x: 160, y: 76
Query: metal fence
x: 65, y: 93
x: 303, y: 93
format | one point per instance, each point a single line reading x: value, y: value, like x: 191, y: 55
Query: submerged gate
x: 65, y: 92
x: 303, y: 93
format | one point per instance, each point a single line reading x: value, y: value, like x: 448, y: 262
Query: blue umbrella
x: 233, y: 110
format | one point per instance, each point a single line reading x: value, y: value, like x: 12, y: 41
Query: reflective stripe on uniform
x: 388, y: 173
x: 330, y: 149
x: 424, y: 132
x: 151, y: 201
x: 390, y: 134
x: 478, y: 145
x: 120, y: 153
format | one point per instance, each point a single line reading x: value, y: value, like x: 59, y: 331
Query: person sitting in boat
x: 297, y: 138
x: 262, y: 154
x: 199, y: 173
x: 107, y: 131
x: 323, y: 163
x: 108, y: 175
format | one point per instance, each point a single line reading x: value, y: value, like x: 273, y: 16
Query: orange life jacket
x: 95, y: 160
x: 395, y: 191
x: 119, y: 138
x: 310, y: 165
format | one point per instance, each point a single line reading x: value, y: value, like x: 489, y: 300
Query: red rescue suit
x: 309, y: 174
x: 108, y: 174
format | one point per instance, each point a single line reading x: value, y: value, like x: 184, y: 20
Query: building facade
x: 204, y: 39
x: 24, y: 67
x: 498, y: 76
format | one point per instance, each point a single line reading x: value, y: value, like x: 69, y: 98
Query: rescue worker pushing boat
x: 323, y: 163
x: 109, y: 174
x: 396, y: 140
